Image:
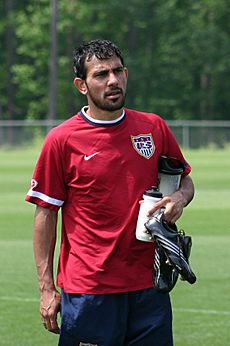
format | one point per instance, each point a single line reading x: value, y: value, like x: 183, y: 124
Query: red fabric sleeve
x: 48, y: 183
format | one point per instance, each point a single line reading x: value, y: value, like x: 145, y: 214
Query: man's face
x: 106, y: 82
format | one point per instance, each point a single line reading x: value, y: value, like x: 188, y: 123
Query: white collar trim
x: 96, y: 121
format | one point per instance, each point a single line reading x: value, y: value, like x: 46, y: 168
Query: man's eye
x: 118, y: 70
x: 101, y: 74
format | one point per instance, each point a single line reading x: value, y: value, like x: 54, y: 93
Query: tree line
x: 177, y: 53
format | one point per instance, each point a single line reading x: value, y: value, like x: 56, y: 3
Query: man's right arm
x: 45, y: 225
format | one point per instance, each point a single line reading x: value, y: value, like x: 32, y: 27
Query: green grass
x: 201, y: 311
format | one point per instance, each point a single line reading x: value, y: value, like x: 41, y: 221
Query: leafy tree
x: 31, y: 71
x: 53, y: 62
x: 177, y: 53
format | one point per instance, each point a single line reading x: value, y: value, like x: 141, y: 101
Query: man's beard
x: 108, y: 105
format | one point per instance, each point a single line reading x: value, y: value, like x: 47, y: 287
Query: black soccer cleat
x: 164, y: 275
x: 176, y: 245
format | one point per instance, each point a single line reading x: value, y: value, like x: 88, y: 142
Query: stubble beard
x: 108, y: 105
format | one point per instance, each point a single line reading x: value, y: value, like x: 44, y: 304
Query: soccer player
x: 95, y: 167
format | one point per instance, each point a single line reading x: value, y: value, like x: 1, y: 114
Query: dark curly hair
x: 102, y: 49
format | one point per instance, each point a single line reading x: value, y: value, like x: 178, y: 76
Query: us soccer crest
x: 144, y: 145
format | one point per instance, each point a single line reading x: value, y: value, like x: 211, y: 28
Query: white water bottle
x: 150, y: 197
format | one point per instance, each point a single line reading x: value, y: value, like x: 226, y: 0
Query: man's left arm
x: 175, y: 203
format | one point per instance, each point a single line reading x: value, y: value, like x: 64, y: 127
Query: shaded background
x: 177, y: 53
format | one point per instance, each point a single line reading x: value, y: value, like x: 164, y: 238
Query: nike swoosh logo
x: 86, y: 157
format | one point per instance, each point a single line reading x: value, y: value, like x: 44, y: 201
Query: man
x: 95, y: 167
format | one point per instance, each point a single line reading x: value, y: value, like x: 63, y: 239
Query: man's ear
x: 126, y: 71
x: 80, y: 85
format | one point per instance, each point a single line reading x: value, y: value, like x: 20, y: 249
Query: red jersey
x: 97, y: 171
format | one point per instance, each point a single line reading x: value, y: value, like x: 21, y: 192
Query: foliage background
x: 177, y: 53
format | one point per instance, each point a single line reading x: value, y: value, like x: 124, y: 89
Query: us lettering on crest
x: 143, y: 144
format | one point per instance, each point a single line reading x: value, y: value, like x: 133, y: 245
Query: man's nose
x: 112, y: 80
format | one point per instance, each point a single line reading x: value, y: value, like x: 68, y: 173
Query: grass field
x: 201, y: 311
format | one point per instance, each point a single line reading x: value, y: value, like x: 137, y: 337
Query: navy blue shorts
x: 140, y: 318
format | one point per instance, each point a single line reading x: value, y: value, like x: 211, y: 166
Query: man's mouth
x: 113, y: 94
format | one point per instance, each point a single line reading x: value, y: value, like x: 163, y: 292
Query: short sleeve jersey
x: 96, y: 172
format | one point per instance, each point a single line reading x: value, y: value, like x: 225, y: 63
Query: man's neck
x: 103, y: 115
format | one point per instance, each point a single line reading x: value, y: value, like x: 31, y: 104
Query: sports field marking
x: 19, y: 299
x: 195, y: 311
x: 203, y: 311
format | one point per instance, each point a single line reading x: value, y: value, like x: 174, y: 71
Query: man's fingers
x: 50, y: 305
x: 171, y: 206
x: 50, y: 323
x: 171, y: 215
x: 53, y: 327
x: 159, y: 205
x: 49, y: 317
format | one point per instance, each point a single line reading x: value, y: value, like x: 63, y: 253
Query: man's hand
x: 50, y: 305
x: 174, y: 204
